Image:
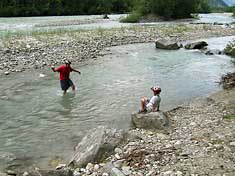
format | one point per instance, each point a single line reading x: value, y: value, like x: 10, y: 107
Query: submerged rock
x: 167, y: 44
x: 153, y: 120
x: 196, y: 45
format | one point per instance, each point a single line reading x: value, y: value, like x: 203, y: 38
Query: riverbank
x: 40, y: 50
x: 200, y: 142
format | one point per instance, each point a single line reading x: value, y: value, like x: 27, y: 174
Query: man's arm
x: 56, y: 69
x: 53, y: 68
x: 76, y: 70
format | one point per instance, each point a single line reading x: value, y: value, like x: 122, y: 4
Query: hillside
x: 217, y: 3
x: 229, y: 2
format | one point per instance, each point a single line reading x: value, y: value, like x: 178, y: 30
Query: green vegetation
x: 167, y: 9
x: 229, y: 117
x: 10, y: 8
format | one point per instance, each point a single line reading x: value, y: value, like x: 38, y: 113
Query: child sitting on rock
x: 152, y: 104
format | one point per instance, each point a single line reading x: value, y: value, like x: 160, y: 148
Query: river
x: 29, y: 25
x: 39, y: 124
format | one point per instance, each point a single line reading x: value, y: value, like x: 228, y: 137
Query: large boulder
x: 153, y: 120
x: 196, y: 45
x: 167, y: 44
x: 97, y: 145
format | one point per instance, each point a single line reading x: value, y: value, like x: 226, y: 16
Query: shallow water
x: 216, y: 17
x: 37, y: 122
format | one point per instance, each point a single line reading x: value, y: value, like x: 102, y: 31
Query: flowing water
x: 29, y: 25
x: 38, y: 123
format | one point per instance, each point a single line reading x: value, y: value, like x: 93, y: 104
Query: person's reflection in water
x: 66, y: 103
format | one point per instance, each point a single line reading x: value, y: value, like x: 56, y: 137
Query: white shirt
x: 153, y: 103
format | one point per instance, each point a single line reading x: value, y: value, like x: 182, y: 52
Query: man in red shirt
x: 64, y: 70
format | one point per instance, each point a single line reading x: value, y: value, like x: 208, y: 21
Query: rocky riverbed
x: 200, y: 142
x: 39, y: 50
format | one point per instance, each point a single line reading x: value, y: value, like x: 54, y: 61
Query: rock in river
x: 167, y: 44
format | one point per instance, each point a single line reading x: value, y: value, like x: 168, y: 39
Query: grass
x: 229, y: 117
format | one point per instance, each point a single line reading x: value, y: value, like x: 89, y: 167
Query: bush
x: 229, y: 117
x: 134, y: 17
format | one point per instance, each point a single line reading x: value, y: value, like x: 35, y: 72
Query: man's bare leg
x: 73, y: 88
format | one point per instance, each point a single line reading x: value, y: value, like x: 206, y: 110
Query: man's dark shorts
x: 65, y: 84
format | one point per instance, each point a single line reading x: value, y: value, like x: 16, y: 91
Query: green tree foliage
x: 62, y: 7
x: 165, y: 8
x: 169, y: 9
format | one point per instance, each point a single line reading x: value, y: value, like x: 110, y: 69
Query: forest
x: 164, y: 8
x: 16, y: 8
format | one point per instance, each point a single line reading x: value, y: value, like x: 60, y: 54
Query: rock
x: 6, y: 73
x: 166, y: 44
x: 153, y: 120
x: 196, y: 45
x: 60, y: 166
x: 105, y: 16
x: 171, y: 173
x: 51, y: 173
x: 116, y: 172
x: 232, y: 143
x: 89, y: 166
x: 97, y: 145
x: 108, y: 167
x: 118, y: 150
x: 126, y: 170
x: 96, y: 167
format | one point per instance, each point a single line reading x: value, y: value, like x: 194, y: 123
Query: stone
x: 51, y: 173
x: 196, y: 45
x: 153, y: 120
x: 118, y: 150
x: 108, y: 167
x: 96, y: 167
x: 97, y: 145
x: 232, y: 143
x: 60, y: 166
x: 166, y: 44
x: 116, y: 172
x: 126, y: 170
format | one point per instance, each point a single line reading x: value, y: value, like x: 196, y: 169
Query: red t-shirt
x: 64, y: 72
